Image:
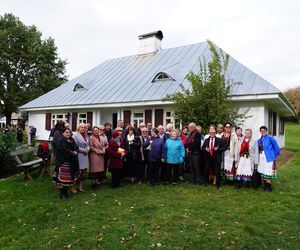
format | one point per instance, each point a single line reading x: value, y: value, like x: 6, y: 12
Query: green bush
x: 8, y: 143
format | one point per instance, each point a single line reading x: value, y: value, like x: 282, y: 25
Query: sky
x: 264, y: 35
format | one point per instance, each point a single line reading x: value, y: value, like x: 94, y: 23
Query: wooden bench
x: 27, y: 166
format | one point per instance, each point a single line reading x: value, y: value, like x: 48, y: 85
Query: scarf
x: 117, y: 140
x: 245, y: 148
x: 130, y: 137
x: 83, y: 136
x: 191, y: 137
x: 226, y: 138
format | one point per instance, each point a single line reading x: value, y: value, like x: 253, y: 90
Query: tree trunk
x: 8, y: 117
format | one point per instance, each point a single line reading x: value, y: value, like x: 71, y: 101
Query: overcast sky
x: 264, y: 35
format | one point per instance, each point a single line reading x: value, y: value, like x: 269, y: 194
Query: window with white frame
x: 58, y: 117
x: 82, y: 118
x: 137, y: 119
x: 281, y: 125
x: 168, y: 117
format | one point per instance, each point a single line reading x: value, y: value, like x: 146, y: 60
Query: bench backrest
x: 20, y: 152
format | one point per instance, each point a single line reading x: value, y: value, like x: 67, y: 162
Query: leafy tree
x: 293, y: 95
x: 29, y: 65
x: 207, y: 100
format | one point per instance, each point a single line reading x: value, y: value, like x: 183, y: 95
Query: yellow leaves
x: 158, y: 244
x: 100, y: 236
x: 118, y: 202
x: 49, y: 243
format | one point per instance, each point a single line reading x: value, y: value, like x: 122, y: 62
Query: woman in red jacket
x: 116, y: 153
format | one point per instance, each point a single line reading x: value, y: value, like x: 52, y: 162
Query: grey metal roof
x: 129, y: 79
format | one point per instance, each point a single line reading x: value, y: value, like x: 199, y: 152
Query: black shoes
x: 267, y: 187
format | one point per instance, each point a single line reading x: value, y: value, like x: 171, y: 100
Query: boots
x: 63, y: 193
x: 247, y: 184
x: 237, y: 185
x: 267, y: 187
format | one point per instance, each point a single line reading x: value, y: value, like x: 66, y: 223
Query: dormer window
x: 78, y: 87
x: 162, y: 76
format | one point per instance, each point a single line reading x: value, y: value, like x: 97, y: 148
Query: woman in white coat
x: 245, y: 160
x: 230, y: 153
x: 82, y: 142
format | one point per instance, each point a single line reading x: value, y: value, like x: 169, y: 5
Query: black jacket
x: 195, y: 146
x: 217, y: 155
x: 134, y: 149
x: 63, y: 153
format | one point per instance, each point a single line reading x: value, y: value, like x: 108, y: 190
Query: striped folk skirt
x: 266, y: 169
x: 244, y: 169
x: 63, y: 175
x: 229, y: 169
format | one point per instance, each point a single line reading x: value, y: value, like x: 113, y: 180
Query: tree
x: 207, y: 100
x: 29, y: 65
x: 293, y: 95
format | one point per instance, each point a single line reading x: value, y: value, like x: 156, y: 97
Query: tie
x: 211, y: 151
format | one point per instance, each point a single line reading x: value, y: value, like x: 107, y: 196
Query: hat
x: 115, y: 134
x: 118, y: 129
x: 154, y: 130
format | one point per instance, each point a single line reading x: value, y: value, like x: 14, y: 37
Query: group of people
x: 161, y: 155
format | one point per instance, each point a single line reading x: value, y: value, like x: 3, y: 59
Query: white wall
x: 258, y: 113
x: 260, y: 116
x: 257, y: 116
x: 279, y: 138
x: 37, y: 119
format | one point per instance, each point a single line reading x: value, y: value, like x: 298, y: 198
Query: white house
x: 131, y: 88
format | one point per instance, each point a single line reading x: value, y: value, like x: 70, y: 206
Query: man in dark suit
x: 213, y: 147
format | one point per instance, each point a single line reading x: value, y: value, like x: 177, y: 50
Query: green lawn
x: 166, y: 217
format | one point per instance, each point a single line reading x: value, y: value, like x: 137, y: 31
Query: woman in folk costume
x: 98, y: 146
x: 82, y: 142
x: 67, y: 160
x: 230, y: 153
x: 245, y: 163
x: 267, y: 151
x: 220, y: 130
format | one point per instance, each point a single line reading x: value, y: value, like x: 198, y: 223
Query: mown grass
x: 166, y: 217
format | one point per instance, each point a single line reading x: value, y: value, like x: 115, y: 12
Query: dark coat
x: 115, y: 159
x: 63, y: 153
x: 195, y: 146
x: 157, y: 151
x: 217, y: 155
x: 134, y: 149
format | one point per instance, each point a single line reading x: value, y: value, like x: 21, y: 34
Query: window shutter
x: 127, y: 116
x: 48, y: 121
x: 89, y: 118
x: 148, y: 116
x: 74, y: 121
x: 159, y: 115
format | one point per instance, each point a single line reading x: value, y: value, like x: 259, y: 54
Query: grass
x: 165, y: 217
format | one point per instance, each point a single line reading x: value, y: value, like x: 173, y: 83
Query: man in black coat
x: 213, y: 147
x: 193, y: 147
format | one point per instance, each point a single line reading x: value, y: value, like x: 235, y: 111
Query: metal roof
x: 129, y: 79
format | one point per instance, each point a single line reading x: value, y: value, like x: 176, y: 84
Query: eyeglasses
x: 227, y: 126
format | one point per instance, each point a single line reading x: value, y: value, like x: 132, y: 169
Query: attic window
x: 78, y: 87
x: 161, y: 76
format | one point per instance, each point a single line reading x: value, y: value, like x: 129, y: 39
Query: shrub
x: 8, y: 143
